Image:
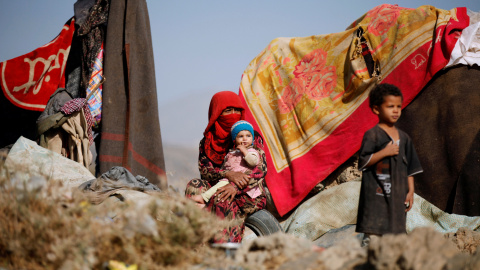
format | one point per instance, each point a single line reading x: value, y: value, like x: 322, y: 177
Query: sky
x: 200, y: 46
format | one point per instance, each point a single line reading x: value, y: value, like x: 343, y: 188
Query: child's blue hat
x: 239, y: 126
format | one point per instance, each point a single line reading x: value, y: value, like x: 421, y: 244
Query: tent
x: 107, y: 40
x: 307, y: 96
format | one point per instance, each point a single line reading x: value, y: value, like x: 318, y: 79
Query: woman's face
x: 230, y: 110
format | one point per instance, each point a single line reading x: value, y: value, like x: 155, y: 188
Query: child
x: 240, y: 159
x: 389, y: 161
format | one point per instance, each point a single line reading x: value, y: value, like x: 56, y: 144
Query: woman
x: 230, y: 201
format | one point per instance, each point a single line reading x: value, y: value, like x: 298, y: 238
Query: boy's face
x: 390, y: 110
x: 244, y: 137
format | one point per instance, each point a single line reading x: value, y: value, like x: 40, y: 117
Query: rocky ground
x: 424, y: 248
x: 44, y: 227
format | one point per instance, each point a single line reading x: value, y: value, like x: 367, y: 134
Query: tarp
x: 337, y: 207
x: 27, y: 159
x: 308, y: 96
x: 27, y: 156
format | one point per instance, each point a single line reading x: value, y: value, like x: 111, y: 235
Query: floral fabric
x: 307, y: 95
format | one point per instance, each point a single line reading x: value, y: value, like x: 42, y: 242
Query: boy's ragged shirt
x: 385, y: 184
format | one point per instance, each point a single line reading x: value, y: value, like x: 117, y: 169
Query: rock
x: 464, y: 261
x: 465, y: 239
x: 423, y: 248
x: 271, y: 251
x: 347, y: 254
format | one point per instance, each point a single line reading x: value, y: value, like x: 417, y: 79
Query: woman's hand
x: 238, y: 178
x: 227, y: 192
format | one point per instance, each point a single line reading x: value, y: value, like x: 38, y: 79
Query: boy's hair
x: 378, y: 93
x: 239, y: 126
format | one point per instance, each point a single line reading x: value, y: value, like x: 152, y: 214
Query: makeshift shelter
x: 101, y: 64
x: 308, y: 95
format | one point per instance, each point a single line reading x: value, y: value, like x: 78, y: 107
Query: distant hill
x: 182, y: 121
x: 181, y: 165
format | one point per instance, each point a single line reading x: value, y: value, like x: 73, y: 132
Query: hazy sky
x: 200, y: 46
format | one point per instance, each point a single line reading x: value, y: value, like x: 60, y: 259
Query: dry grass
x: 41, y: 230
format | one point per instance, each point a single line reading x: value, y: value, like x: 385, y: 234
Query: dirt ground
x: 423, y: 248
x: 168, y: 231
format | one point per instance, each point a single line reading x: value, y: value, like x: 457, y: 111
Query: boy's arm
x: 411, y: 191
x: 414, y: 168
x: 391, y: 149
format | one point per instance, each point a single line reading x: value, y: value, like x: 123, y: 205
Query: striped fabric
x: 95, y: 101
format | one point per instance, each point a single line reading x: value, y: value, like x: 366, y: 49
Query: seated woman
x: 232, y: 200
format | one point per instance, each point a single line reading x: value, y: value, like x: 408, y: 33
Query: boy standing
x: 389, y: 161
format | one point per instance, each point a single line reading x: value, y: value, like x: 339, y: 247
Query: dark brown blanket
x: 444, y: 124
x: 130, y: 122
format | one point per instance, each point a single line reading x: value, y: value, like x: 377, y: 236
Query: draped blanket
x: 308, y: 95
x: 130, y: 132
x: 27, y: 81
x: 43, y: 72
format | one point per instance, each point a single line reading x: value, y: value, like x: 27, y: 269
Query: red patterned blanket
x: 308, y: 95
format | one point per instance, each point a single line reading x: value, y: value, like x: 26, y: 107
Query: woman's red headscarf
x: 217, y: 133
